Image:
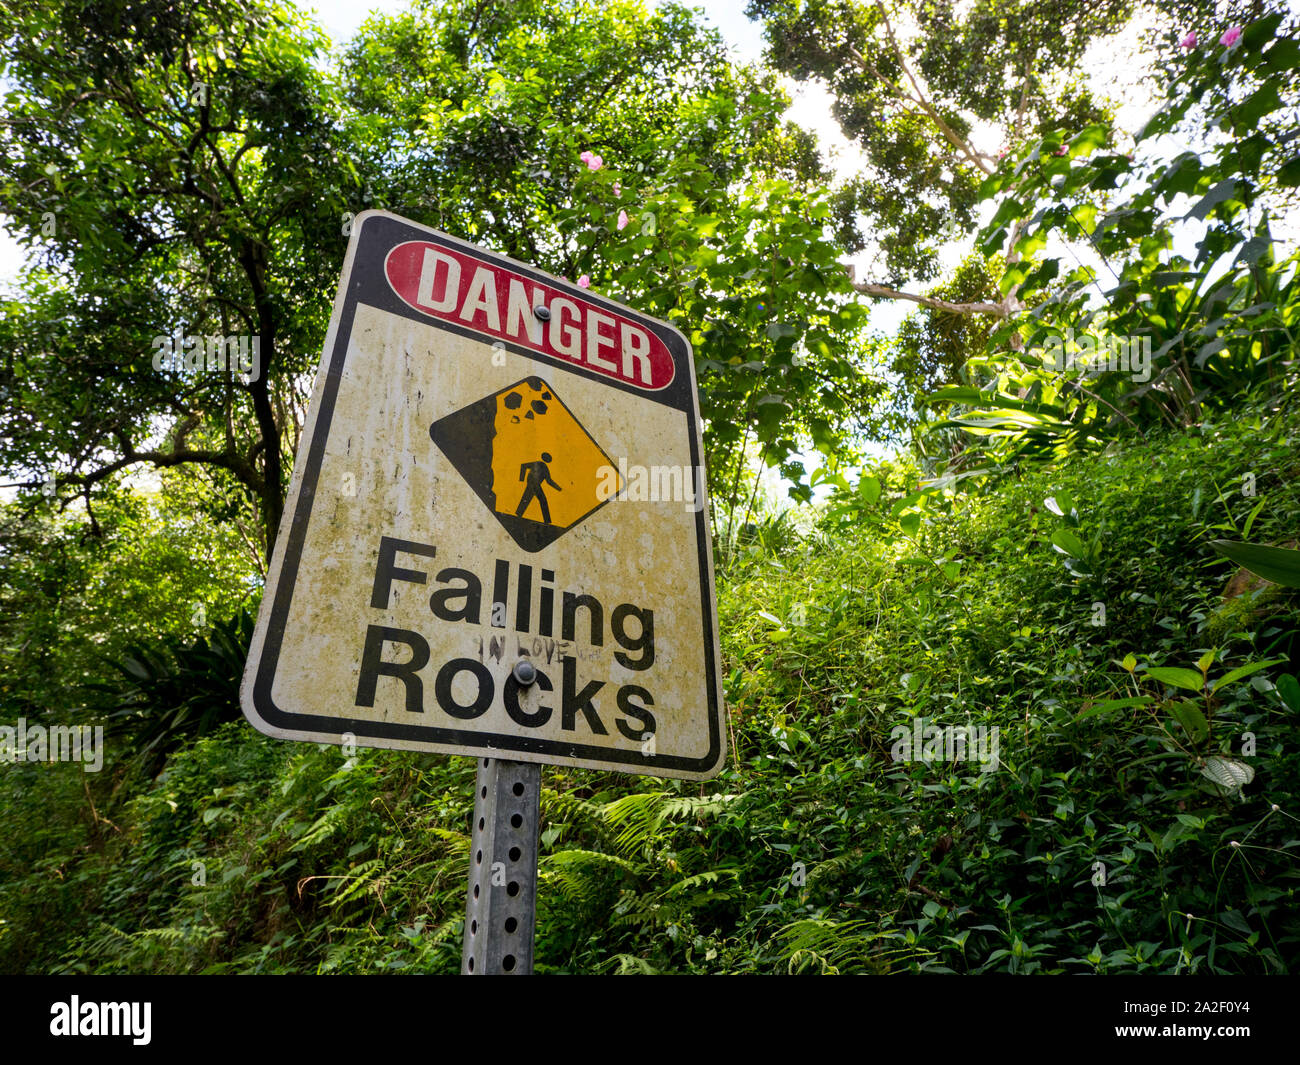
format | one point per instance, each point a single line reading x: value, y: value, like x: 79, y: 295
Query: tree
x: 173, y: 166
x: 72, y: 603
x: 487, y: 125
x: 1147, y: 338
x: 911, y: 83
x: 933, y: 346
x: 194, y: 173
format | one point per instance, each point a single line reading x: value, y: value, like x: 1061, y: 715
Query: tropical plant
x: 1170, y: 340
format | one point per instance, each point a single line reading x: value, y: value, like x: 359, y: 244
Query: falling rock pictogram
x: 529, y: 459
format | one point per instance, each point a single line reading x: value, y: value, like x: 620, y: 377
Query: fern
x: 359, y: 881
x: 631, y: 965
x: 834, y: 866
x: 570, y: 809
x: 584, y: 875
x: 640, y: 815
x: 694, y: 883
x: 458, y: 843
x: 833, y: 947
x: 637, y: 817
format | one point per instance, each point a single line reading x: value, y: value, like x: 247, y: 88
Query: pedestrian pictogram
x: 529, y: 459
x: 538, y: 475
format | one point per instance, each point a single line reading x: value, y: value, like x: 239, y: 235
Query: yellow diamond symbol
x: 529, y: 459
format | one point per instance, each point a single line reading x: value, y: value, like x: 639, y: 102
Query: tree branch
x: 884, y: 292
x: 951, y: 135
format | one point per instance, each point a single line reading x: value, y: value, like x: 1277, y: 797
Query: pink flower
x: 585, y: 157
x: 1231, y: 37
x: 1061, y: 150
x: 618, y: 189
x: 595, y: 162
x: 584, y: 281
x: 622, y: 219
x: 1189, y: 41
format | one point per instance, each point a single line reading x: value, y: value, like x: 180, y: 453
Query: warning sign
x: 496, y: 538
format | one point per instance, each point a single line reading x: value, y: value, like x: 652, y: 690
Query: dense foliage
x: 814, y: 850
x: 1021, y: 697
x: 1141, y: 335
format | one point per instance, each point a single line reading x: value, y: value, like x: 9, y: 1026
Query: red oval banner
x: 459, y: 288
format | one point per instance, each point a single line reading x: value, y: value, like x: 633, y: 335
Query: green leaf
x: 1243, y: 671
x: 972, y: 397
x: 1217, y: 195
x: 1107, y: 705
x: 1283, y: 57
x: 1067, y: 543
x: 1177, y: 832
x: 1277, y: 564
x: 1089, y: 139
x: 1257, y: 33
x: 1228, y: 773
x: 1062, y: 505
x: 1261, y: 102
x: 1178, y: 677
x: 1009, y: 209
x: 1288, y: 687
x: 1288, y: 173
x: 1250, y: 519
x: 1190, y: 717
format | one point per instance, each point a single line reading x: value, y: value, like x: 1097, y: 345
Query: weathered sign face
x: 498, y: 467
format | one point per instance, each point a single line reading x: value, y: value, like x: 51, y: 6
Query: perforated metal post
x: 502, y: 905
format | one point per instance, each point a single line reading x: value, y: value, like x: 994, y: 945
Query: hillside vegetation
x: 1102, y: 840
x: 1020, y: 698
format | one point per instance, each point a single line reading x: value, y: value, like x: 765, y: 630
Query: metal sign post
x: 502, y: 904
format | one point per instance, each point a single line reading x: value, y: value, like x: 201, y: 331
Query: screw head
x: 525, y: 672
x: 542, y: 312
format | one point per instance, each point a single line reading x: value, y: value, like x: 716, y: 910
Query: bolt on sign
x: 499, y: 470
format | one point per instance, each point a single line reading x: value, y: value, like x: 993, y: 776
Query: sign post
x: 502, y: 903
x: 495, y: 544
